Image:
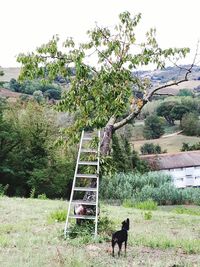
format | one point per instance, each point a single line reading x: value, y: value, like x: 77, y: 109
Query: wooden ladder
x: 85, y: 138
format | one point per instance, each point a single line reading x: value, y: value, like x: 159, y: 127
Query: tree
x: 164, y: 110
x: 104, y: 92
x: 190, y: 124
x: 154, y: 127
x: 178, y: 111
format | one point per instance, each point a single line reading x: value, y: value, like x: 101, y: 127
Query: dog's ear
x: 127, y: 221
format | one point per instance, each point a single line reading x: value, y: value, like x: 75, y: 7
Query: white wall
x: 184, y: 177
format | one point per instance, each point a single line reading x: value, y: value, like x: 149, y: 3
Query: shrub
x: 57, y: 216
x: 42, y: 196
x: 148, y: 215
x: 188, y: 147
x: 150, y: 148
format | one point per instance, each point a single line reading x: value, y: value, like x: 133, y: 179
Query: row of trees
x: 35, y: 87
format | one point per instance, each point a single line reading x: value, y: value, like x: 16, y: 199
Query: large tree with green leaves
x: 106, y: 93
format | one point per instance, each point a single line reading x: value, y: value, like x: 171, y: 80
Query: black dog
x: 120, y: 236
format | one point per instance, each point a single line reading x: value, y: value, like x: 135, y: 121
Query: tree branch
x: 131, y: 116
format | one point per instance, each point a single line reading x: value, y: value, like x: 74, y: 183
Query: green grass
x: 171, y: 144
x: 28, y: 239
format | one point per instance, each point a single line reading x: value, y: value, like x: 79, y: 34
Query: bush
x: 154, y: 127
x: 148, y: 215
x: 57, y: 216
x: 42, y: 196
x: 188, y: 147
x: 190, y: 124
x: 150, y: 148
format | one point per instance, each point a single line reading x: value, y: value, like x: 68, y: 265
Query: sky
x: 26, y: 24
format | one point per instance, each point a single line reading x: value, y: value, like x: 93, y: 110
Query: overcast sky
x: 26, y: 24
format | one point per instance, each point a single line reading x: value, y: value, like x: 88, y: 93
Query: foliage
x: 148, y: 215
x: 30, y: 162
x: 178, y: 111
x: 185, y: 92
x: 38, y: 96
x: 164, y: 110
x: 154, y: 127
x: 50, y: 90
x: 146, y: 205
x: 109, y: 89
x: 132, y: 188
x: 3, y: 189
x: 142, y: 205
x: 172, y: 110
x: 127, y: 186
x: 57, y: 216
x: 190, y: 124
x: 42, y: 196
x: 125, y: 158
x: 188, y: 147
x: 150, y: 148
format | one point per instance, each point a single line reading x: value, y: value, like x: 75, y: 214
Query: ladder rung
x: 83, y: 202
x: 88, y: 163
x: 79, y: 175
x: 85, y: 189
x: 87, y: 138
x: 89, y: 150
x: 83, y: 217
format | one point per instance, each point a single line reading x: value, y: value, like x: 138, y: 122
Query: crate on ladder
x: 81, y: 181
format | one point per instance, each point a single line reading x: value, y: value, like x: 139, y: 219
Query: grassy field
x: 29, y: 239
x: 171, y: 144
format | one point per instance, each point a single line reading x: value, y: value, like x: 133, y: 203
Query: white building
x: 184, y: 167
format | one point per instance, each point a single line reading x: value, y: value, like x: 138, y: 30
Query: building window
x: 179, y: 179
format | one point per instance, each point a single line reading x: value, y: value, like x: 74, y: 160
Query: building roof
x: 173, y: 160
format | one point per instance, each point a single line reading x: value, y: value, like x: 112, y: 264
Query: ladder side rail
x: 97, y: 192
x: 73, y: 185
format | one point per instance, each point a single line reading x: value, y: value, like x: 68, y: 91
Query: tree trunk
x: 107, y: 137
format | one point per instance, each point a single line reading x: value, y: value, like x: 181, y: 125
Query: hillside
x: 171, y: 143
x: 9, y: 73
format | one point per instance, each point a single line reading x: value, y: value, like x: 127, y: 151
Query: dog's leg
x: 113, y: 245
x: 125, y: 244
x: 120, y: 247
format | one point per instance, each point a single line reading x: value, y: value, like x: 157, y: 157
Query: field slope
x: 171, y: 143
x: 27, y: 238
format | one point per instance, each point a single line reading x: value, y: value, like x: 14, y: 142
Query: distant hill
x: 157, y: 77
x: 9, y: 73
